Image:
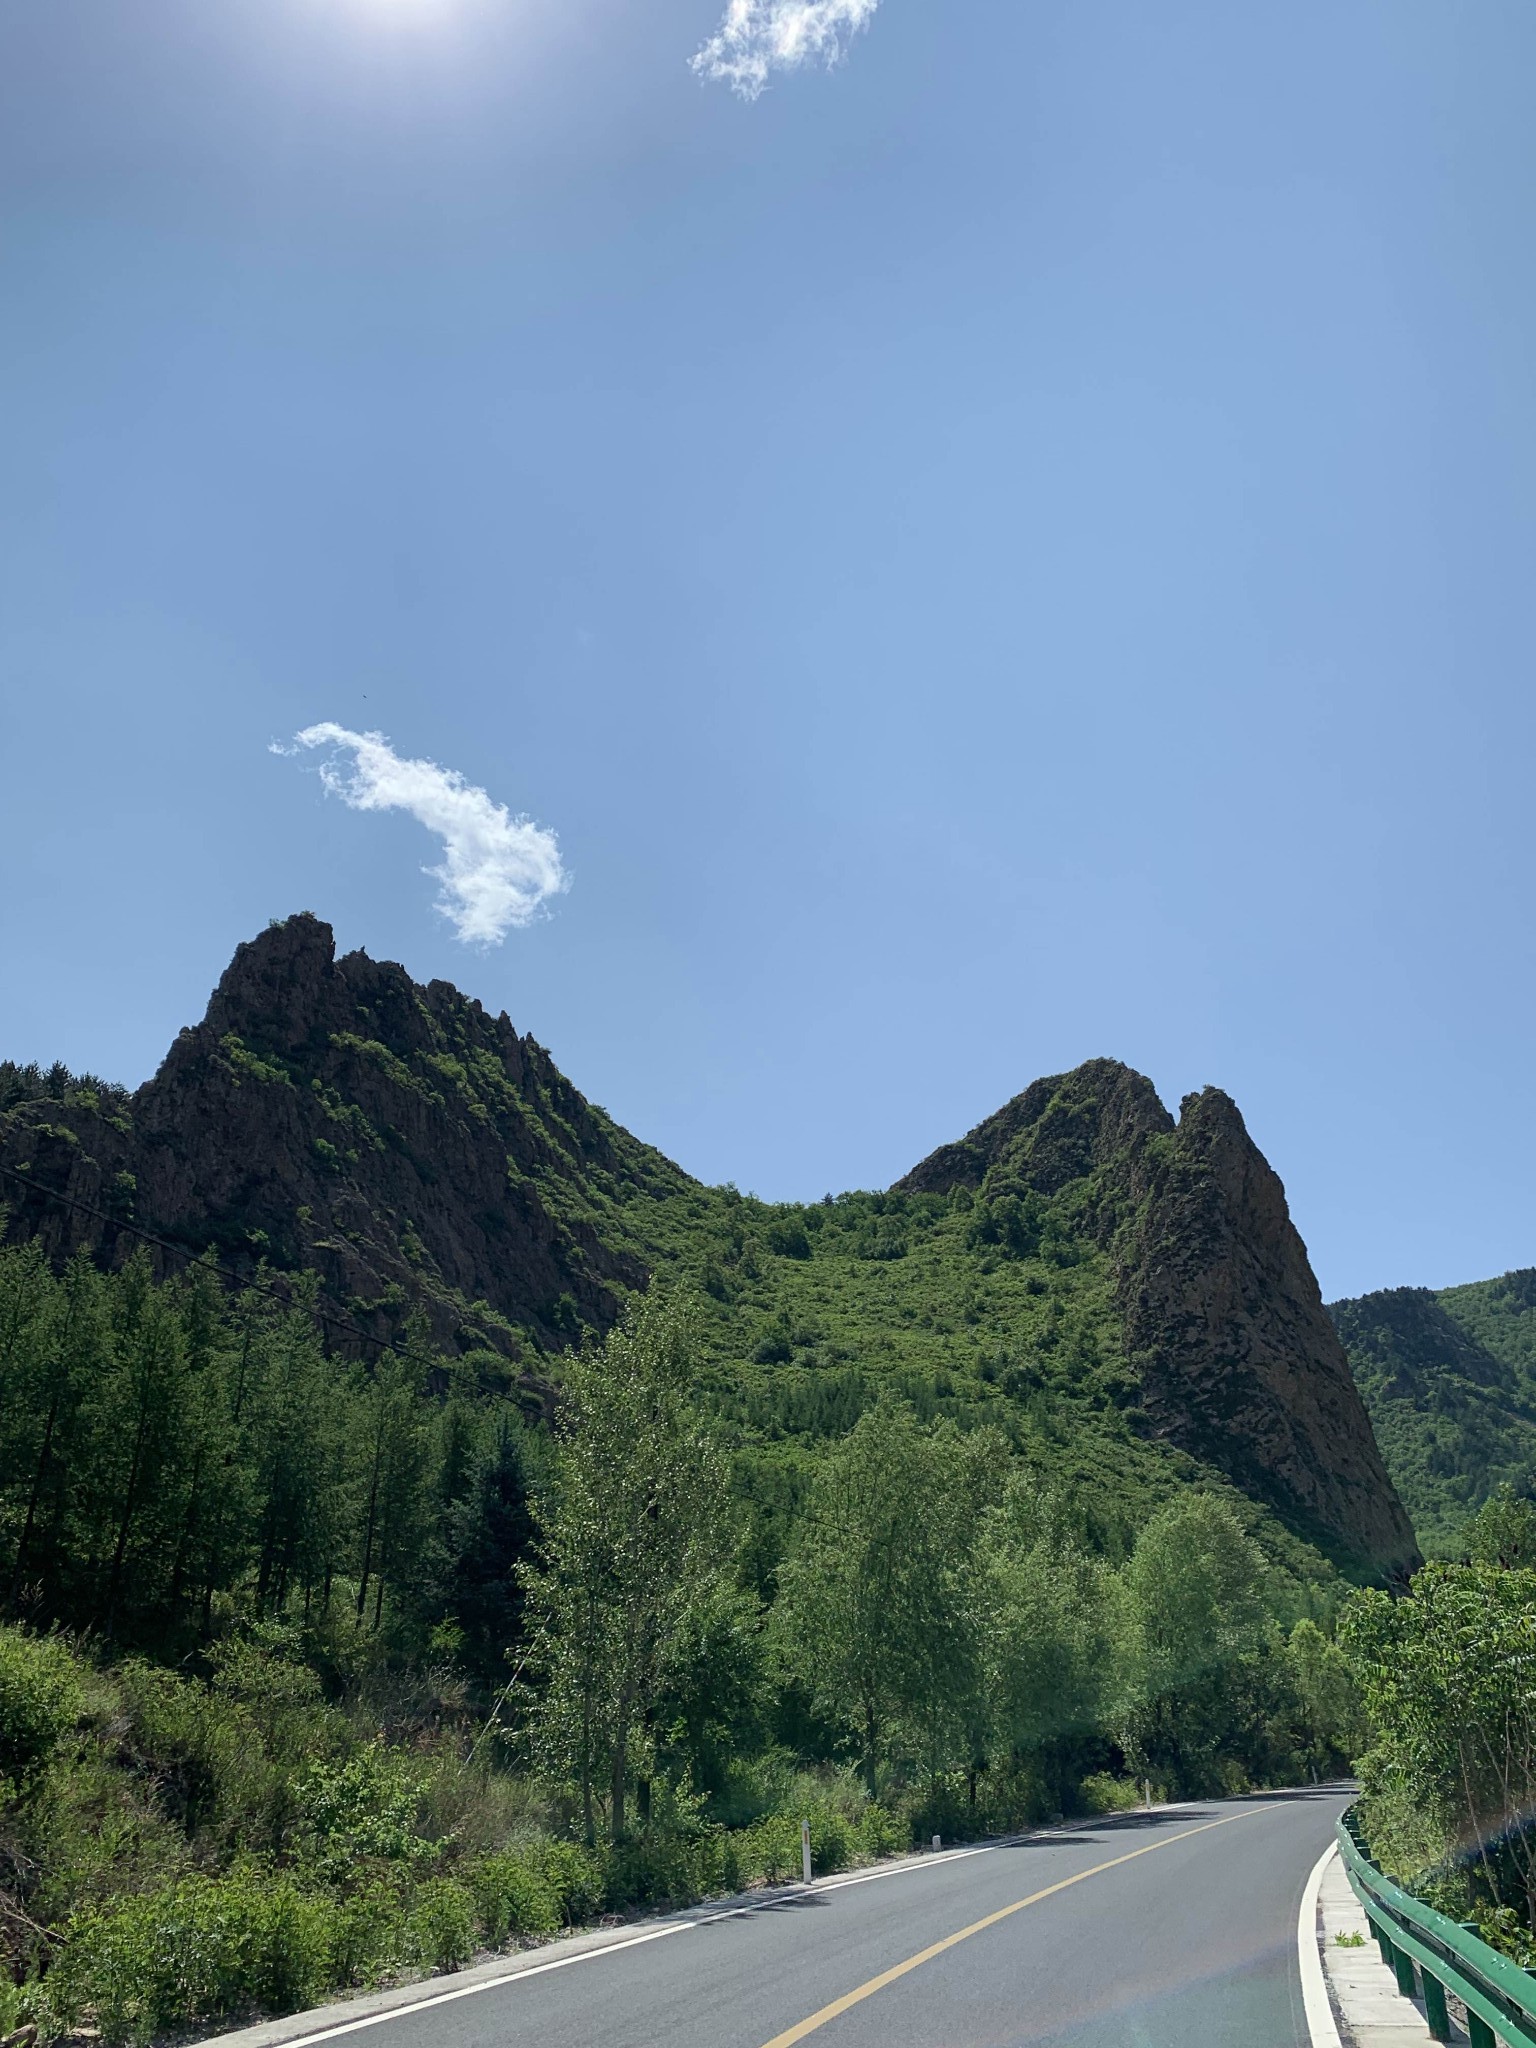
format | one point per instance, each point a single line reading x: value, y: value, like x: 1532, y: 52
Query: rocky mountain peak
x: 1239, y: 1362
x: 333, y: 1115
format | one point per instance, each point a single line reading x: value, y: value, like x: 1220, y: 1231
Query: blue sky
x: 1014, y: 548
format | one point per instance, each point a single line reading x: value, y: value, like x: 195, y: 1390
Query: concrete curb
x: 1373, y: 2013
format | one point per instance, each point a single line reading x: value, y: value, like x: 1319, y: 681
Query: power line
x: 193, y: 1257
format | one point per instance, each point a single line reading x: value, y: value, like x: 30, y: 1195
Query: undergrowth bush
x: 201, y: 1950
x: 575, y: 1877
x: 368, y: 1942
x: 1103, y: 1792
x: 512, y: 1896
x: 40, y: 1699
x: 442, y: 1931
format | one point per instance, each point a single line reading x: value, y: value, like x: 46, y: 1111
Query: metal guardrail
x: 1450, y: 1955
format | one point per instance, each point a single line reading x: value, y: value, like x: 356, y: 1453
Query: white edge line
x: 612, y: 1948
x: 1314, y: 1984
x: 928, y: 1862
x: 399, y: 2012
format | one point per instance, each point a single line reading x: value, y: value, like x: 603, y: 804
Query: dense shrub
x: 368, y: 1940
x: 1103, y: 1792
x: 575, y: 1876
x: 40, y: 1700
x: 669, y: 1865
x: 364, y: 1808
x: 514, y: 1896
x: 201, y: 1950
x: 441, y: 1930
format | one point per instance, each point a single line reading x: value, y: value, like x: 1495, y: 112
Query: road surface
x: 1175, y: 1929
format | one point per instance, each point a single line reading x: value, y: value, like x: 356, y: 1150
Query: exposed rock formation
x: 1224, y: 1323
x: 334, y: 1115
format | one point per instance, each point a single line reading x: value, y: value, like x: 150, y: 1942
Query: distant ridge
x: 1450, y: 1382
x: 334, y: 1115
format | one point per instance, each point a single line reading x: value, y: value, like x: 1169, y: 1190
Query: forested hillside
x: 1450, y: 1382
x: 330, y: 1672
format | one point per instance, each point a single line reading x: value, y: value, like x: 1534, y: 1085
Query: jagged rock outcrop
x: 1224, y: 1323
x: 333, y: 1115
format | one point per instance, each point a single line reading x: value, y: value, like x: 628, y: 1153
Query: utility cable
x: 193, y: 1257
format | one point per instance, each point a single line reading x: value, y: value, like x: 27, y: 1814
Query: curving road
x: 1161, y: 1930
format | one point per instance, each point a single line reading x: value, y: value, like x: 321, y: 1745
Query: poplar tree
x: 875, y: 1616
x: 633, y: 1541
x: 1054, y: 1625
x: 1195, y: 1592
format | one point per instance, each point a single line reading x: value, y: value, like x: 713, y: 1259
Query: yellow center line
x: 852, y: 1998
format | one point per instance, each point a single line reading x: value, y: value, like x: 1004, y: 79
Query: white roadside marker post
x: 805, y: 1850
x: 938, y: 1841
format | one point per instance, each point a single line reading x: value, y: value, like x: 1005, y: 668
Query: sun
x: 401, y: 13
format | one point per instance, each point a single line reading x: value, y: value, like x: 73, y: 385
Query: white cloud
x: 757, y: 37
x: 496, y: 871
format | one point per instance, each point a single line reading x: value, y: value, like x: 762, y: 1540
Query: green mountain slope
x: 1450, y: 1382
x: 1122, y: 1292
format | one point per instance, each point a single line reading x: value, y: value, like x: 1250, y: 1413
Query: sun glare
x: 401, y: 13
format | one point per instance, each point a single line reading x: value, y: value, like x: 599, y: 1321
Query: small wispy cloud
x: 758, y: 37
x: 497, y: 870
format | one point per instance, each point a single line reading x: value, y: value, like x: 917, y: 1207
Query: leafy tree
x: 51, y: 1344
x: 1450, y: 1776
x: 1055, y: 1635
x: 1194, y: 1587
x: 634, y: 1541
x: 1332, y: 1713
x: 487, y: 1535
x: 1504, y: 1531
x: 394, y: 1479
x: 873, y: 1615
x: 714, y: 1704
x: 142, y: 1447
x: 295, y: 1418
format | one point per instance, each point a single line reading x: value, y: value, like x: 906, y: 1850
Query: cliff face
x: 333, y: 1115
x: 1225, y: 1327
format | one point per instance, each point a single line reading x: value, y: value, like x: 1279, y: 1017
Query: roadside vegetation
x: 1449, y: 1777
x: 319, y: 1672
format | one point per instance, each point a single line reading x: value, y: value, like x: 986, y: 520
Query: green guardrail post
x: 1416, y: 1940
x: 1434, y: 2007
x: 1383, y: 1940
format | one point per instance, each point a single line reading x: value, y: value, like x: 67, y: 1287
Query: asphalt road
x: 1175, y: 1929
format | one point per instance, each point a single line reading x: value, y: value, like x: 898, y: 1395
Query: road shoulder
x: 1365, y: 2003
